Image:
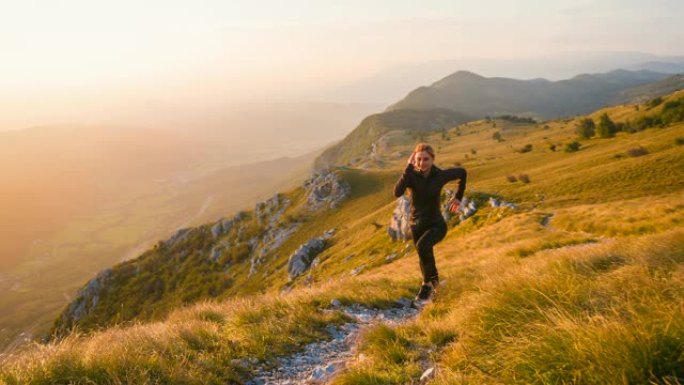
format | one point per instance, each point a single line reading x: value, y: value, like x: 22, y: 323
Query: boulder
x: 400, y: 228
x: 501, y: 203
x: 302, y: 258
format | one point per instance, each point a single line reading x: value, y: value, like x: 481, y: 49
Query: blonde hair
x: 425, y: 147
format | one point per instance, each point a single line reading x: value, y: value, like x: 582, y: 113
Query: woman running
x: 425, y: 180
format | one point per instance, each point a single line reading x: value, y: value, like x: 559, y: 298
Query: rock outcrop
x: 467, y: 207
x: 302, y: 258
x: 325, y: 189
x: 268, y: 214
x: 223, y: 225
x: 501, y: 203
x: 86, y: 299
x: 269, y: 211
x: 399, y: 228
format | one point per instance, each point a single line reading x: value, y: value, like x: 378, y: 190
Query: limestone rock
x: 301, y: 259
x: 501, y: 203
x: 88, y: 296
x: 325, y: 189
x: 269, y: 211
x: 467, y: 207
x: 427, y: 374
x: 400, y: 228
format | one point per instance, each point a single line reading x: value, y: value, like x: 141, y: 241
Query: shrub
x: 679, y: 141
x: 239, y: 252
x: 511, y: 178
x: 497, y: 136
x: 552, y: 147
x: 644, y: 122
x: 629, y: 127
x: 655, y: 102
x: 524, y: 178
x: 637, y: 151
x: 606, y: 127
x: 572, y: 147
x: 672, y: 112
x: 586, y: 128
x: 517, y: 119
x: 525, y: 148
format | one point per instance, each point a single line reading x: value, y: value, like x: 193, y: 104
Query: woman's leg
x: 416, y: 233
x: 425, y: 241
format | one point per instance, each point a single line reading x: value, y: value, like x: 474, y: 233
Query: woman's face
x: 422, y: 161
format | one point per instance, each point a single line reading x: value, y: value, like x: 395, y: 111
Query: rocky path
x: 321, y: 360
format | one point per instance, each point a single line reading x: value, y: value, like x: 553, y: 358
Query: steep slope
x: 377, y: 132
x: 583, y: 279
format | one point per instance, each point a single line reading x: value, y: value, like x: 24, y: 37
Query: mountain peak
x: 457, y: 77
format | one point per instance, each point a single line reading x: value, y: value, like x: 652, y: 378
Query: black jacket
x: 425, y: 192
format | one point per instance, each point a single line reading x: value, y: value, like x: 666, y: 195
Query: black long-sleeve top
x: 425, y: 192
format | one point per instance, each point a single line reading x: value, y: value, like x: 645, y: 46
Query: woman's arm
x: 462, y: 176
x: 403, y: 182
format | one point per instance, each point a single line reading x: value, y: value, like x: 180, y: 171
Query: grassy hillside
x: 378, y: 131
x: 582, y: 283
x: 465, y: 96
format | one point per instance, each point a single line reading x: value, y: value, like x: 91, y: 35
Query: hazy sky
x: 62, y: 55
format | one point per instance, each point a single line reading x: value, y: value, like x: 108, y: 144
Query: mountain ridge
x: 480, y: 96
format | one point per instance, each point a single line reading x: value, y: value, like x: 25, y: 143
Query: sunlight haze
x: 70, y: 61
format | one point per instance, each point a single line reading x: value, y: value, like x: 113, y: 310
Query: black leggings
x: 426, y: 234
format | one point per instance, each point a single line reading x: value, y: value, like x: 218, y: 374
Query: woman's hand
x: 453, y: 205
x: 410, y: 159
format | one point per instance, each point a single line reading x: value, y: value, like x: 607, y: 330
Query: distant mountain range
x: 478, y: 96
x: 465, y: 96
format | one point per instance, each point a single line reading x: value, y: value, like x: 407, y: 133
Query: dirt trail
x: 321, y: 360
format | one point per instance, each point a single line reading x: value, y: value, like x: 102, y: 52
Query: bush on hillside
x: 637, y: 151
x: 672, y: 112
x: 572, y: 147
x: 606, y: 128
x: 517, y: 119
x: 655, y: 102
x: 525, y: 148
x: 586, y: 128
